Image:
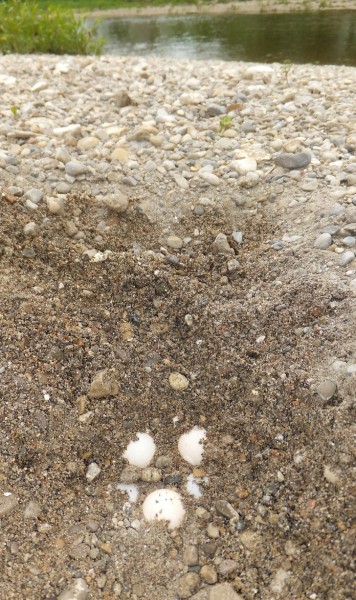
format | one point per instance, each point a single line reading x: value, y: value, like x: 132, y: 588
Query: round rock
x: 323, y: 241
x: 77, y: 590
x: 117, y: 203
x: 178, y: 382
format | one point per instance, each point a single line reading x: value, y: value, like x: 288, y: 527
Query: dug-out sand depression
x: 177, y: 247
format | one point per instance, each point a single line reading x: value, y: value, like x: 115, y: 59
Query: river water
x: 324, y: 38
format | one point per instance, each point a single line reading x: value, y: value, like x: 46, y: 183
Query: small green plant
x: 25, y: 28
x: 225, y: 123
x: 14, y: 109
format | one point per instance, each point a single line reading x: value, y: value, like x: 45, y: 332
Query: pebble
x: 30, y: 229
x: 221, y: 245
x: 190, y: 556
x: 188, y: 585
x: 346, y: 258
x: 117, y: 203
x: 291, y: 161
x: 224, y: 591
x: 103, y: 385
x: 75, y: 168
x: 326, y: 389
x: 227, y: 566
x: 209, y: 177
x: 323, y: 241
x: 212, y: 531
x: 225, y: 509
x: 34, y: 195
x: 178, y: 382
x: 93, y: 472
x: 349, y: 241
x: 8, y: 503
x: 56, y: 207
x: 174, y: 242
x: 181, y: 181
x: 209, y: 574
x: 244, y: 165
x: 77, y: 590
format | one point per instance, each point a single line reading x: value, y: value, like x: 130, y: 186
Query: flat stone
x: 326, y: 389
x: 225, y: 509
x: 287, y: 160
x: 120, y: 154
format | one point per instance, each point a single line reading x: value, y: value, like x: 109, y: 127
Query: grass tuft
x: 26, y: 28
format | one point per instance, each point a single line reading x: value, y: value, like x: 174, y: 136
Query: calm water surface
x: 325, y: 38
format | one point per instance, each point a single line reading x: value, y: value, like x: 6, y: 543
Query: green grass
x: 25, y: 28
x: 89, y: 5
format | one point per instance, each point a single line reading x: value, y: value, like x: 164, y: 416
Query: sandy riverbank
x: 248, y: 7
x: 163, y: 217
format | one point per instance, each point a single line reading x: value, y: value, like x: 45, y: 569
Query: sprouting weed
x: 225, y: 123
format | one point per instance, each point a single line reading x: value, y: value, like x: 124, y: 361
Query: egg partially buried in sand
x: 190, y: 446
x: 164, y: 505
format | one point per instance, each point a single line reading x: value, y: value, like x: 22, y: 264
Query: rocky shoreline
x: 177, y: 246
x: 247, y: 7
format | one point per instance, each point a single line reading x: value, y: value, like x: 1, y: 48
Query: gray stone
x: 293, y: 161
x: 34, y: 195
x: 350, y: 228
x: 209, y: 178
x: 63, y: 188
x: 346, y: 258
x: 75, y: 168
x: 349, y: 241
x: 77, y: 590
x: 215, y: 110
x: 323, y: 241
x: 181, y: 181
x: 326, y: 389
